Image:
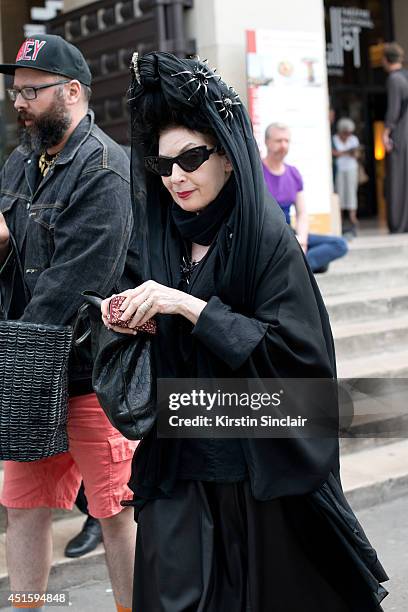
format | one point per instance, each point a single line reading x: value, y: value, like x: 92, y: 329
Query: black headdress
x: 188, y: 90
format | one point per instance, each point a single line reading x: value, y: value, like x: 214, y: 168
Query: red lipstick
x: 184, y: 194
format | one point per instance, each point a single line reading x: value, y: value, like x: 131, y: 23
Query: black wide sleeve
x: 287, y: 335
x: 230, y: 335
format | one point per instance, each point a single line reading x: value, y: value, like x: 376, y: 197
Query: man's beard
x: 47, y: 129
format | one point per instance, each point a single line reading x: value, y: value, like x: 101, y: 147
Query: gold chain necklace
x: 45, y: 164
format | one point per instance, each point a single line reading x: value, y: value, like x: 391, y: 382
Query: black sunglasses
x: 189, y: 160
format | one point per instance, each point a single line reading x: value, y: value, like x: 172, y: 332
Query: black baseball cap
x: 51, y: 53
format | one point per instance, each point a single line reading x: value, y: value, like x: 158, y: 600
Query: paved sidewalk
x: 91, y: 597
x: 387, y: 527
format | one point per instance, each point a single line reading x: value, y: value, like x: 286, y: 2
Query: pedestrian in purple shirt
x: 285, y: 184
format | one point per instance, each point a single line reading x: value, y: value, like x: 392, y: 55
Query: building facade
x: 349, y: 36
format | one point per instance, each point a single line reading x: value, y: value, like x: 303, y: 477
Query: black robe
x: 287, y: 335
x: 329, y: 563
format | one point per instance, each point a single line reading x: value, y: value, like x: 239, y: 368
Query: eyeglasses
x: 30, y: 93
x: 189, y: 160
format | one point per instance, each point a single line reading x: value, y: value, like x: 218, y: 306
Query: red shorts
x: 98, y: 454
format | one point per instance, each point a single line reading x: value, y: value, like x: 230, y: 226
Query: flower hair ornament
x: 228, y: 100
x: 199, y: 75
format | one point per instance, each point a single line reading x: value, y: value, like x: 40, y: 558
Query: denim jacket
x: 70, y: 232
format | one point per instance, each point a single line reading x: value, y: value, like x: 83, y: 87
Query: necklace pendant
x: 187, y: 268
x: 45, y: 164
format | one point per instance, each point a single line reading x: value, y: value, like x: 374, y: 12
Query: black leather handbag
x: 123, y: 373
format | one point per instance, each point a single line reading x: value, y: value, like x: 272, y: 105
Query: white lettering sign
x: 346, y: 25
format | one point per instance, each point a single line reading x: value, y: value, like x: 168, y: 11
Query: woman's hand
x: 149, y: 299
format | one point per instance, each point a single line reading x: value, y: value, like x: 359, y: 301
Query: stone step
x: 373, y: 412
x: 370, y: 256
x: 383, y: 365
x: 368, y: 305
x: 364, y: 240
x: 378, y: 240
x: 381, y: 252
x: 375, y: 475
x: 375, y: 421
x: 362, y: 278
x: 350, y: 446
x: 366, y: 338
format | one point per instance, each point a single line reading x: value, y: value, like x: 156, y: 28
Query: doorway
x: 355, y: 32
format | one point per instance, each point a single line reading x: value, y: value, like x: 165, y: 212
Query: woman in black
x: 229, y: 524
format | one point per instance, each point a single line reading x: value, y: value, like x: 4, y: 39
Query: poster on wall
x: 287, y: 84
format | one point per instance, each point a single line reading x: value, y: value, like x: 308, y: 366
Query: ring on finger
x: 145, y: 306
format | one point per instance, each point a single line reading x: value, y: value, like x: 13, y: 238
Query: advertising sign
x: 287, y: 83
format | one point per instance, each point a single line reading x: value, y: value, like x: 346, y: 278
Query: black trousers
x: 81, y: 501
x: 214, y: 548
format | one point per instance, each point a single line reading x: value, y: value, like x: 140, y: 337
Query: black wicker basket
x: 33, y: 390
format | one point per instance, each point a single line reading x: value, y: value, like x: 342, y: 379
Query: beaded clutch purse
x: 150, y: 327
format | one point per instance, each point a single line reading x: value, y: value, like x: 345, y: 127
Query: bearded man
x: 65, y: 226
